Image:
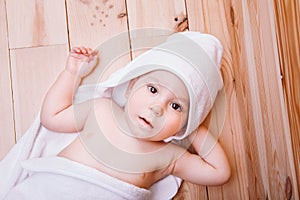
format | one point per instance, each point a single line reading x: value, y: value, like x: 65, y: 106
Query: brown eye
x: 176, y: 106
x: 152, y: 89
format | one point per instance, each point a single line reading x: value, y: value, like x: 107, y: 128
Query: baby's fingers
x: 87, y: 51
x: 93, y: 55
x: 82, y: 50
x: 76, y: 50
x: 95, y: 52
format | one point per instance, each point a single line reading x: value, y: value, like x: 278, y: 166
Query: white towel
x: 59, y: 178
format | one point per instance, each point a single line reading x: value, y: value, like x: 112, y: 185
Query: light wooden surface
x: 262, y: 110
x: 288, y: 37
x: 7, y: 134
x: 33, y: 70
x: 261, y: 90
x: 92, y: 22
x: 36, y: 23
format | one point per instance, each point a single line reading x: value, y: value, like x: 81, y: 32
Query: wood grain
x: 189, y: 191
x: 33, y: 71
x: 159, y: 14
x: 257, y: 166
x: 260, y: 87
x: 91, y: 22
x: 36, y: 23
x: 287, y: 15
x: 7, y: 133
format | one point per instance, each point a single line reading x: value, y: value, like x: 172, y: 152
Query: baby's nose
x: 157, y: 110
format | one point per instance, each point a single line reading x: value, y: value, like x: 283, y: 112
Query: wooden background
x: 261, y: 68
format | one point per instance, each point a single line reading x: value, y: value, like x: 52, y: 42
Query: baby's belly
x: 76, y: 152
x: 142, y: 180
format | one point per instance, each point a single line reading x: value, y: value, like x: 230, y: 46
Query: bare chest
x: 78, y: 153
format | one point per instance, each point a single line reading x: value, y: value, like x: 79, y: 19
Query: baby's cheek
x: 175, y: 121
x: 135, y: 103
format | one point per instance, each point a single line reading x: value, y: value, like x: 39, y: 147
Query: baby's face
x: 157, y: 105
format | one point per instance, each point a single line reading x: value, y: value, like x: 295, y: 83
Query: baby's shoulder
x: 106, y: 105
x: 99, y: 106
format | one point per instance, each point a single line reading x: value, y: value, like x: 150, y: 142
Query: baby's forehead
x: 166, y: 79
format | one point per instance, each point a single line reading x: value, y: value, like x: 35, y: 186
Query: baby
x: 166, y: 93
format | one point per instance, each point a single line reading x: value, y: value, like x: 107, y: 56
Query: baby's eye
x: 176, y: 106
x: 152, y: 89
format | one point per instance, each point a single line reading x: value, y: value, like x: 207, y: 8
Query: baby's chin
x: 141, y: 134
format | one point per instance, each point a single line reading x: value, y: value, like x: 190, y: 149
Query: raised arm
x: 57, y: 112
x: 209, y: 167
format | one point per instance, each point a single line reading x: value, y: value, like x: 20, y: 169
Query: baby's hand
x: 81, y: 61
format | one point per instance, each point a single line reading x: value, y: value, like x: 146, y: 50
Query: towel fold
x: 60, y: 178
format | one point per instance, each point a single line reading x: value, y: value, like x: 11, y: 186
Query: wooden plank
x: 33, y: 71
x: 91, y: 22
x: 158, y: 14
x: 36, y: 23
x: 268, y: 142
x: 287, y: 15
x: 275, y: 122
x: 189, y: 191
x: 6, y: 108
x: 213, y: 17
x: 166, y: 17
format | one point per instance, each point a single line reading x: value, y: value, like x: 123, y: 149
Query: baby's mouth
x: 145, y: 122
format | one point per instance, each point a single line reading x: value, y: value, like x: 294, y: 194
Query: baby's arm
x: 209, y: 167
x: 57, y: 112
